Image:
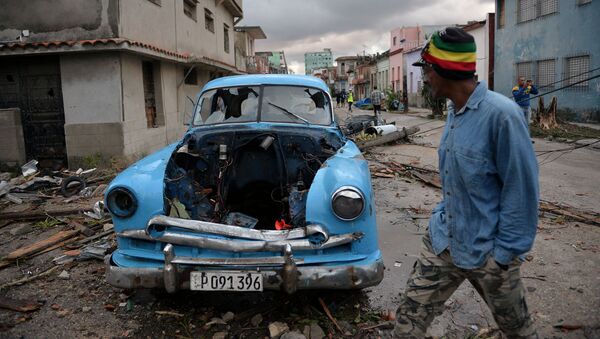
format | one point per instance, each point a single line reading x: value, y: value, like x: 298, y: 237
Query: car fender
x: 346, y: 168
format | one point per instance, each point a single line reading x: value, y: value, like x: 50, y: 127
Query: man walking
x: 488, y: 215
x: 376, y: 99
x: 521, y: 94
x: 350, y: 100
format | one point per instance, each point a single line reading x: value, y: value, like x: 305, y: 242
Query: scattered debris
x: 219, y: 335
x: 571, y: 213
x: 328, y: 313
x: 86, y: 309
x: 568, y: 327
x: 98, y: 212
x: 313, y: 331
x: 293, y: 335
x: 41, y: 245
x: 64, y: 275
x: 401, y: 134
x: 27, y: 279
x: 227, y: 317
x: 19, y: 305
x: 256, y: 320
x: 40, y: 214
x: 276, y: 329
x: 29, y: 168
x: 171, y: 313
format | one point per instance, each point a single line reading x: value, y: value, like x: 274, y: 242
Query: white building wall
x: 481, y: 41
x: 91, y: 88
x: 139, y: 139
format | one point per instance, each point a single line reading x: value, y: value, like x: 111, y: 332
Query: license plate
x: 226, y: 281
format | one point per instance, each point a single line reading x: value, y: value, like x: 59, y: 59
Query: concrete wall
x: 572, y: 31
x: 59, y: 20
x: 91, y: 85
x: 12, y: 145
x: 148, y: 22
x: 138, y: 139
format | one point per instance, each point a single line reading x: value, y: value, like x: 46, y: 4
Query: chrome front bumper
x: 288, y: 278
x: 279, y: 272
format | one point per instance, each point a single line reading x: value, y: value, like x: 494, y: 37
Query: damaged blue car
x: 263, y: 192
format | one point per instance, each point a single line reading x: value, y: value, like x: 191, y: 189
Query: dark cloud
x: 349, y: 27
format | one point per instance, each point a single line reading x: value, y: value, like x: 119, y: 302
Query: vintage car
x: 263, y: 192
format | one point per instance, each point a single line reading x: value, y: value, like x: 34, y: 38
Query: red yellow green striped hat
x: 451, y: 53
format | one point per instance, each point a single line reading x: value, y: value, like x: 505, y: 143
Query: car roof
x: 267, y: 79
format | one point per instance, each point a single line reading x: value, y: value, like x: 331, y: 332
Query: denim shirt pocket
x: 471, y: 165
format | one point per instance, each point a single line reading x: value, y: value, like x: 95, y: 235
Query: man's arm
x: 518, y: 172
x: 533, y: 90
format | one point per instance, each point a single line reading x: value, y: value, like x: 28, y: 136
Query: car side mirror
x: 187, y: 112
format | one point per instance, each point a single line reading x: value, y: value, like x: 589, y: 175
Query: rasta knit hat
x: 451, y: 53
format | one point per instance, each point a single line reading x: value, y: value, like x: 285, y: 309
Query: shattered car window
x: 295, y: 104
x: 227, y: 105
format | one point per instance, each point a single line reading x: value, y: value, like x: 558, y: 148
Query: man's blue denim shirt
x: 489, y: 178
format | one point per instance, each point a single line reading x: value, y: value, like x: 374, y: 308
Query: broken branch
x: 328, y: 313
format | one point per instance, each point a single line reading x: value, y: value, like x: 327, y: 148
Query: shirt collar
x: 474, y: 100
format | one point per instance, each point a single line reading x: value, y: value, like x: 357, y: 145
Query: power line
x: 565, y: 79
x: 560, y: 88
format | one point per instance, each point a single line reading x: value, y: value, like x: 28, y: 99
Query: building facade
x: 245, y: 60
x: 317, y: 60
x: 383, y: 71
x: 414, y: 77
x: 554, y: 43
x: 345, y: 66
x: 401, y: 39
x: 96, y: 78
x: 276, y: 61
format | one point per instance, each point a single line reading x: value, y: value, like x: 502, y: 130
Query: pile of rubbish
x: 35, y: 185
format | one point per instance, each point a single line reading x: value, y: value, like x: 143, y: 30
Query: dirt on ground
x: 62, y: 293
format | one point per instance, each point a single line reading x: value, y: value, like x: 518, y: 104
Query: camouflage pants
x: 435, y: 278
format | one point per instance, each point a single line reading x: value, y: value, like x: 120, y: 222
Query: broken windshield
x: 295, y: 104
x: 227, y: 105
x: 289, y: 104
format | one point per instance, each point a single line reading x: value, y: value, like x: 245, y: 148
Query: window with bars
x: 226, y: 37
x: 526, y: 10
x: 209, y: 21
x: 577, y: 70
x: 524, y: 70
x: 531, y: 9
x: 546, y: 73
x: 189, y: 8
x: 547, y: 7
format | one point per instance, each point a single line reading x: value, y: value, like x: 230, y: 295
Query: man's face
x: 433, y: 80
x: 521, y: 81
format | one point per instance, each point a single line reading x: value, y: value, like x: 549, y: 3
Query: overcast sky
x: 348, y: 27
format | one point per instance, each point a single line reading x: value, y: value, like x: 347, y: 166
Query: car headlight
x: 347, y: 203
x: 121, y: 202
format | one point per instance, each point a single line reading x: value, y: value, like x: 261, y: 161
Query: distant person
x: 521, y: 95
x: 376, y: 99
x: 350, y: 100
x: 338, y: 99
x: 487, y: 218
